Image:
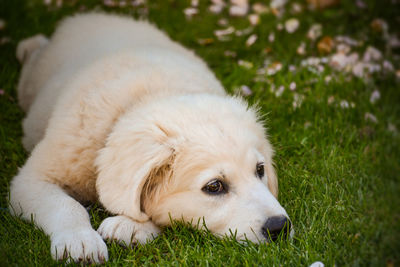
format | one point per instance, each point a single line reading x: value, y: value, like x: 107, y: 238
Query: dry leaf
x: 325, y: 45
x: 322, y: 4
x: 379, y: 25
x: 205, y: 41
x: 2, y: 24
x: 260, y: 8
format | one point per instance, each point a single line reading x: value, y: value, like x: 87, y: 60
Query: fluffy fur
x: 119, y: 113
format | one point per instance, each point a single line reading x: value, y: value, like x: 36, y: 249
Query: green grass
x: 339, y: 173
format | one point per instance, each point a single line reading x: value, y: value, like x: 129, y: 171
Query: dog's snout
x: 274, y: 226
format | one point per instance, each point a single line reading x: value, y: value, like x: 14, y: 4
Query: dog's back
x: 78, y: 42
x: 50, y: 66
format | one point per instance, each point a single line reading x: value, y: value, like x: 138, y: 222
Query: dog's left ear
x: 132, y: 153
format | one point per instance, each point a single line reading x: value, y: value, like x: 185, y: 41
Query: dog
x: 120, y: 114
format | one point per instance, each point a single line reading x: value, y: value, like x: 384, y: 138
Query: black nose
x: 274, y: 226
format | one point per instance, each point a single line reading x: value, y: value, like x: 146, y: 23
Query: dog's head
x: 193, y: 158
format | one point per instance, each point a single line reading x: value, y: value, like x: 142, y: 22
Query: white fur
x: 117, y: 112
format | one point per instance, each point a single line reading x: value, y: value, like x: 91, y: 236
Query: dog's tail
x: 27, y: 53
x: 27, y: 47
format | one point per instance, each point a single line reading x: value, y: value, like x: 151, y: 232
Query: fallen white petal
x: 360, y: 4
x: 338, y: 61
x: 216, y: 9
x: 254, y: 19
x: 314, y: 32
x: 375, y: 96
x: 317, y: 264
x: 346, y: 40
x: 280, y: 90
x: 271, y: 37
x: 109, y: 3
x: 387, y: 66
x: 244, y: 31
x: 229, y: 53
x: 218, y: 2
x: 238, y: 11
x: 328, y: 79
x: 301, y: 50
x: 223, y: 22
x: 392, y: 128
x: 343, y: 48
x: 372, y: 54
x: 190, y: 11
x: 358, y: 69
x: 223, y: 32
x: 292, y: 86
x: 240, y: 2
x: 393, y: 41
x: 277, y: 3
x: 344, y: 104
x: 245, y: 90
x: 370, y: 117
x: 245, y: 64
x: 291, y: 25
x: 251, y: 40
x: 297, y: 100
x: 296, y: 8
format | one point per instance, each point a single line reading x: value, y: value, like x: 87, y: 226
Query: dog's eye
x: 260, y: 170
x: 214, y: 187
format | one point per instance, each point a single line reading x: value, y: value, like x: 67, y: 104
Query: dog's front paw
x: 127, y: 231
x: 79, y: 245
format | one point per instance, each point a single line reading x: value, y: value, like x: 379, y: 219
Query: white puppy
x: 119, y: 113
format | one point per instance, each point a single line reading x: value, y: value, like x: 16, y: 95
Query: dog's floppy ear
x: 271, y: 179
x: 272, y: 182
x: 132, y: 152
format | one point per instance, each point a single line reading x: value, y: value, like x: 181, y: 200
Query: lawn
x: 331, y: 96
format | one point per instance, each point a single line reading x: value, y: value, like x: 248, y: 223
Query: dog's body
x: 118, y: 112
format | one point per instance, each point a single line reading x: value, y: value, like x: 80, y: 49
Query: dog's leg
x: 59, y: 215
x: 126, y: 231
